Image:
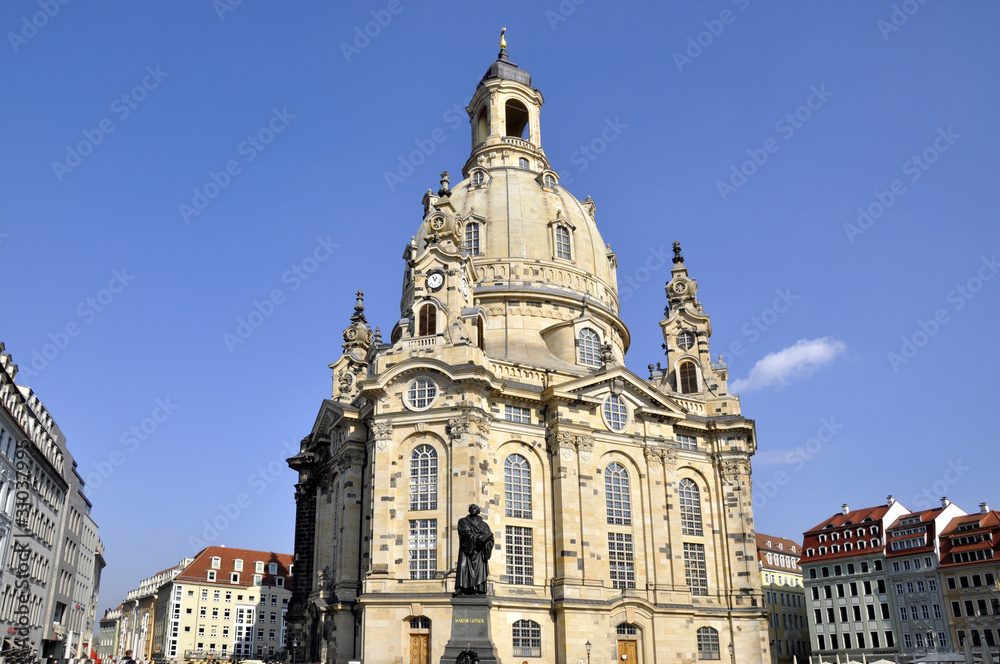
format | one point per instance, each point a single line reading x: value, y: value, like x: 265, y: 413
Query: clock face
x: 435, y: 280
x: 680, y: 287
x: 685, y: 340
x: 465, y: 288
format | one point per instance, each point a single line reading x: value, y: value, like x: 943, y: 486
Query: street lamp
x: 587, y: 646
x: 732, y: 653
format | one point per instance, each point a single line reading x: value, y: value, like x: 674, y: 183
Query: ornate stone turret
x: 505, y: 119
x: 686, y: 330
x: 353, y: 363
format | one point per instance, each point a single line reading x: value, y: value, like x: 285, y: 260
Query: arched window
x: 423, y: 478
x: 617, y: 495
x: 689, y: 377
x: 589, y: 345
x: 478, y: 177
x: 708, y: 643
x: 549, y: 181
x: 523, y: 163
x: 482, y: 127
x: 517, y: 486
x: 527, y: 637
x: 472, y: 235
x: 517, y: 118
x: 690, y: 499
x: 480, y: 333
x: 427, y: 321
x: 562, y: 243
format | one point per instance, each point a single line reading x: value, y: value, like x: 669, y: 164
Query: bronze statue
x: 475, y: 546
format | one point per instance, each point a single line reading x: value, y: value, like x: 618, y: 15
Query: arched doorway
x: 628, y: 643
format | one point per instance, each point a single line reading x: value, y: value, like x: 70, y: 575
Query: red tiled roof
x: 852, y: 518
x: 788, y: 548
x: 846, y: 523
x: 988, y: 523
x: 787, y: 544
x: 198, y: 569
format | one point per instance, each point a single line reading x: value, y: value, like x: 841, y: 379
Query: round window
x: 685, y: 340
x: 615, y: 413
x: 421, y: 393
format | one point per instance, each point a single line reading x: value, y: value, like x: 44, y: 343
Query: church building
x: 620, y: 504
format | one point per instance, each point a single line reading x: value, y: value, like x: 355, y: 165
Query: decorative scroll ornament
x: 472, y: 422
x: 381, y: 433
x: 563, y: 444
x: 351, y: 460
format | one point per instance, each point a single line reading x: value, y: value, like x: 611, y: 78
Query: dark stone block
x: 470, y: 631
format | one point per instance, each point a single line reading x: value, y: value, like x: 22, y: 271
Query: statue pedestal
x: 470, y: 632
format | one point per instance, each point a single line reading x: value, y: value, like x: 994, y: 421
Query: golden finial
x: 503, y: 42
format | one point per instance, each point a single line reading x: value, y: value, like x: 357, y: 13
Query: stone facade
x: 53, y: 556
x: 225, y: 603
x: 107, y: 635
x: 784, y: 598
x: 970, y: 579
x: 620, y: 504
x: 912, y: 558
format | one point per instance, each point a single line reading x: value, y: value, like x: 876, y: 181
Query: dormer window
x: 211, y: 575
x: 216, y: 562
x: 478, y: 177
x: 562, y: 243
x: 589, y: 347
x: 549, y: 181
x: 272, y: 568
x: 472, y: 237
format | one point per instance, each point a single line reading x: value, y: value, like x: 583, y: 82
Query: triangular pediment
x: 618, y: 380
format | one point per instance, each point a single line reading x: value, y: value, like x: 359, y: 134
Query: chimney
x: 890, y: 500
x: 984, y: 508
x: 844, y: 509
x: 945, y: 502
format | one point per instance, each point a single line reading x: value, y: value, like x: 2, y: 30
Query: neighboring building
x: 620, y: 504
x: 969, y: 569
x: 107, y: 634
x: 47, y: 529
x: 224, y: 603
x: 784, y: 598
x: 846, y: 581
x: 139, y: 614
x: 912, y: 555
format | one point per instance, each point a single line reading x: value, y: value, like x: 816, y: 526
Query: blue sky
x: 863, y: 340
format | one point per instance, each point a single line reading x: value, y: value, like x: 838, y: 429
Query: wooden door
x: 420, y: 649
x: 628, y: 652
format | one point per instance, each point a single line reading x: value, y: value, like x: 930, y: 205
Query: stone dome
x: 517, y: 218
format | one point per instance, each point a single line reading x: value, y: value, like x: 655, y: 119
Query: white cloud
x: 796, y: 362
